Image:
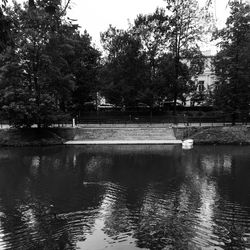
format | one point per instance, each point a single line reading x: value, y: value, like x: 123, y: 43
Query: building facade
x: 204, y: 82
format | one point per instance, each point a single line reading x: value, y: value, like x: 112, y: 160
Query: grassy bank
x: 237, y: 135
x: 37, y: 137
x: 29, y: 137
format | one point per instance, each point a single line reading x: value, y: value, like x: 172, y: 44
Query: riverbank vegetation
x: 236, y: 135
x: 49, y: 71
x: 29, y: 137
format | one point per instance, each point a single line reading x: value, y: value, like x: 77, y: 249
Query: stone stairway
x: 136, y: 134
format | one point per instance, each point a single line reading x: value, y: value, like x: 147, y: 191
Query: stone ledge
x: 122, y: 142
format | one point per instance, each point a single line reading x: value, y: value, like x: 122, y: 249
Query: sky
x: 96, y: 15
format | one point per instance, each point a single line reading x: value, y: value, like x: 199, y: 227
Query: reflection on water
x: 125, y: 197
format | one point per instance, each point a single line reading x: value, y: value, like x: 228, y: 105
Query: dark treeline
x: 49, y: 70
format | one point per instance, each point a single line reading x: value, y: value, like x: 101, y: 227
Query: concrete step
x: 118, y: 133
x: 123, y: 142
x: 125, y: 125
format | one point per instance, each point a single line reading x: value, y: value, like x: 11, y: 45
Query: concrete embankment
x: 121, y: 134
x: 124, y: 134
x: 90, y: 134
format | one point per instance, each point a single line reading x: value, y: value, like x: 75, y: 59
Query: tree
x: 50, y: 69
x: 33, y: 93
x: 152, y: 30
x: 85, y: 67
x: 125, y: 71
x: 185, y: 31
x: 164, y: 35
x: 165, y: 79
x: 5, y: 24
x: 232, y: 63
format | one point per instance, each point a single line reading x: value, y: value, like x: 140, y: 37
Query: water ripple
x: 165, y: 199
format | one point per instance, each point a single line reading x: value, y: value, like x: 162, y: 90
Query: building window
x: 216, y: 85
x: 201, y: 86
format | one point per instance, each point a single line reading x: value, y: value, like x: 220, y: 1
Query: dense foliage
x: 124, y: 73
x: 48, y: 62
x: 5, y: 37
x: 49, y: 70
x: 232, y: 63
x: 157, y: 58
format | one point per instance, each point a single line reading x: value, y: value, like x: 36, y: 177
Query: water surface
x: 125, y: 197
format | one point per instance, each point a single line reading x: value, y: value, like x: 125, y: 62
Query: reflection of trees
x: 151, y: 200
x: 177, y: 200
x: 161, y: 197
x: 160, y: 211
x: 166, y: 221
x: 230, y: 206
x: 231, y: 215
x: 97, y: 168
x: 30, y: 182
x: 115, y: 212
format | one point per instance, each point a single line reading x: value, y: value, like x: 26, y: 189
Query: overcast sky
x: 96, y: 15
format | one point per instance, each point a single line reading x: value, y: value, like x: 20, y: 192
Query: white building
x: 206, y: 81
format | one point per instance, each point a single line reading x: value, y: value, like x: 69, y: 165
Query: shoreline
x: 224, y: 135
x: 233, y: 135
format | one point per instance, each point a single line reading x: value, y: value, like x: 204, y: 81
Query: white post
x: 73, y: 122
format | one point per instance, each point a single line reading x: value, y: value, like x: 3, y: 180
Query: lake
x: 125, y: 197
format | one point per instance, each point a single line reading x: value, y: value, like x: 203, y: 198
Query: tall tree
x: 85, y: 67
x: 232, y: 63
x: 165, y: 79
x: 125, y: 70
x: 152, y: 30
x: 33, y: 93
x: 185, y: 31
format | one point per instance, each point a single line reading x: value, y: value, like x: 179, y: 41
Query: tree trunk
x: 176, y: 82
x: 175, y: 101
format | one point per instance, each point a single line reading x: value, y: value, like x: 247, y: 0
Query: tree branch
x: 65, y: 8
